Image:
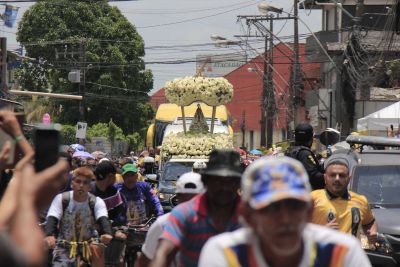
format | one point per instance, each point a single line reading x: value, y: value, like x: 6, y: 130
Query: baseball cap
x: 129, y: 168
x: 189, y: 183
x: 271, y: 179
x: 303, y: 132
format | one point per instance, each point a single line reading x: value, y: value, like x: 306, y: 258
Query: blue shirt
x: 142, y: 191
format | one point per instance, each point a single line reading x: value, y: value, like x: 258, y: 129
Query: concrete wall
x: 278, y: 136
x: 102, y: 144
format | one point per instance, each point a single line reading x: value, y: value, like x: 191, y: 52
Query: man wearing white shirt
x: 71, y: 222
x: 277, y: 208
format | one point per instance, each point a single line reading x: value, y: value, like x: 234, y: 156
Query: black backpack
x: 66, y: 197
x: 294, y: 151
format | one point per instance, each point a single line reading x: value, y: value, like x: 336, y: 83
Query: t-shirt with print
x: 321, y: 247
x: 77, y: 222
x: 351, y: 211
x: 140, y: 201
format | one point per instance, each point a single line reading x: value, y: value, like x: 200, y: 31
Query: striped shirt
x: 322, y: 247
x: 189, y: 227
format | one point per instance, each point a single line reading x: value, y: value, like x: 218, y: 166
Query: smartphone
x: 47, y: 142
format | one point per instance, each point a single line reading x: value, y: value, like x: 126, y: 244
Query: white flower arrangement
x: 179, y: 145
x: 212, y: 91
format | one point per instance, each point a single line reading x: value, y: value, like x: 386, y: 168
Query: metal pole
x: 264, y: 96
x: 82, y: 84
x: 183, y: 118
x: 214, y: 110
x: 296, y: 70
x: 3, y: 85
x: 63, y: 96
x: 270, y: 84
x: 243, y: 128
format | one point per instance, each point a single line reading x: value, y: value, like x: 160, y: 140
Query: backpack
x: 66, y: 197
x: 294, y: 151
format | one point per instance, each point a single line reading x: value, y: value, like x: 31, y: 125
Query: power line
x: 194, y: 19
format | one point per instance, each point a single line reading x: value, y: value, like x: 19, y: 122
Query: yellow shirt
x: 350, y: 212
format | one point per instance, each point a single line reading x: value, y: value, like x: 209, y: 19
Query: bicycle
x: 80, y: 251
x: 136, y: 235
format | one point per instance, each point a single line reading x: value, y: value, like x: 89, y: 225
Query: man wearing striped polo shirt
x: 192, y: 223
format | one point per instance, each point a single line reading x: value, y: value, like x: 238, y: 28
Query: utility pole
x: 268, y: 96
x: 264, y: 95
x: 78, y: 73
x: 296, y: 86
x: 243, y: 128
x: 270, y: 86
x: 82, y: 84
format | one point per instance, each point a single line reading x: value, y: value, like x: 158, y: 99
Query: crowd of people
x: 279, y: 211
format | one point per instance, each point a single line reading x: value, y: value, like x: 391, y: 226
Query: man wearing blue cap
x: 276, y: 205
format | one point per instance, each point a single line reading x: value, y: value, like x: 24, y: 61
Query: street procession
x: 138, y: 133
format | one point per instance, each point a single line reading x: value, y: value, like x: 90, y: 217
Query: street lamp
x: 265, y: 8
x: 222, y: 41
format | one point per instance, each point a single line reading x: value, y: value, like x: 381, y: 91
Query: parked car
x: 377, y: 176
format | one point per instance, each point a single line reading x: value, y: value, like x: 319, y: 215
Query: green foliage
x: 103, y: 130
x: 103, y: 43
x: 68, y: 133
x: 135, y: 141
x: 394, y: 66
x: 112, y: 131
x: 33, y: 75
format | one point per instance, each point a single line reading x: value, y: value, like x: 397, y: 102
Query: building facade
x: 358, y: 76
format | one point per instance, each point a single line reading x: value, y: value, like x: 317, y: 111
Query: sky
x: 178, y: 30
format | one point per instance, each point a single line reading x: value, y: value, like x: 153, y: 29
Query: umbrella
x: 255, y: 152
x: 77, y: 147
x: 82, y: 154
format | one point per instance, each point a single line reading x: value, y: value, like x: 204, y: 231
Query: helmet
x: 199, y: 165
x: 149, y: 160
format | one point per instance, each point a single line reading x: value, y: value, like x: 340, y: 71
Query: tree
x: 103, y: 130
x: 68, y: 134
x: 96, y: 38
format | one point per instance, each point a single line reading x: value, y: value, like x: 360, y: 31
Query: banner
x: 10, y: 15
x: 81, y: 130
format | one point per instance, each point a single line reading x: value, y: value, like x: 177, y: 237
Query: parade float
x: 200, y: 138
x: 201, y: 124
